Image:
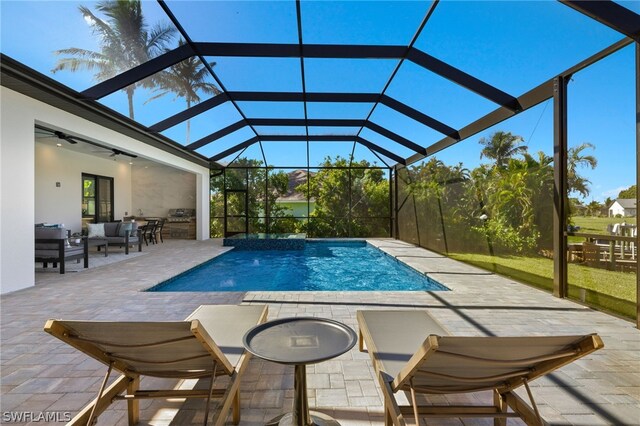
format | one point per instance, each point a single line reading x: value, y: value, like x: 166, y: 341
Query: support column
x: 395, y: 208
x: 391, y: 178
x: 637, y: 173
x: 224, y: 200
x: 349, y: 213
x: 560, y: 186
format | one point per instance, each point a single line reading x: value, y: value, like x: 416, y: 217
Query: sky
x: 512, y: 45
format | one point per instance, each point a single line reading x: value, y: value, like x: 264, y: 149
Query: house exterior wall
x: 617, y: 209
x: 296, y: 208
x: 18, y: 115
x: 17, y: 200
x: 66, y: 167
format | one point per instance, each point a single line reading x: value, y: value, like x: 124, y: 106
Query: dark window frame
x: 96, y: 197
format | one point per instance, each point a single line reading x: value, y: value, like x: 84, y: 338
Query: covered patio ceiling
x: 396, y: 124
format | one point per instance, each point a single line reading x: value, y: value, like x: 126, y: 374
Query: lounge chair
x: 411, y: 352
x: 208, y: 344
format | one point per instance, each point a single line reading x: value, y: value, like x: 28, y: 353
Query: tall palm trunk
x: 130, y: 91
x: 188, y: 123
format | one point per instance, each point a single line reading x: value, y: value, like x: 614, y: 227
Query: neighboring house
x: 625, y: 207
x: 296, y: 202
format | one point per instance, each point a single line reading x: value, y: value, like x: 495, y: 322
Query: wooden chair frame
x: 127, y: 386
x: 502, y: 388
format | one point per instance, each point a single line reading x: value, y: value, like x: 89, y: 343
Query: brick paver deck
x: 39, y: 373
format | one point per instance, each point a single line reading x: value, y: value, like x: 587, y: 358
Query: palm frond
x: 158, y: 37
x: 99, y: 27
x: 75, y: 64
x: 83, y: 53
x: 157, y: 96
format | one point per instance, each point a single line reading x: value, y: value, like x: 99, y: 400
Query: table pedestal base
x: 317, y: 419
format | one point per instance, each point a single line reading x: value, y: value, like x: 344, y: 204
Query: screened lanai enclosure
x: 498, y: 133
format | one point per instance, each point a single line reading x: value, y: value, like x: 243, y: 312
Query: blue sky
x: 513, y: 45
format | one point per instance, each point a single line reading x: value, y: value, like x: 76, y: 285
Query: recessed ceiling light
x: 58, y: 145
x: 130, y: 162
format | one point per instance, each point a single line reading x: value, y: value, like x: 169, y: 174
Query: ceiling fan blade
x: 118, y: 152
x: 65, y: 137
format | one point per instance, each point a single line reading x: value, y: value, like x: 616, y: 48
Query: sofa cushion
x: 134, y: 229
x: 124, y: 228
x: 120, y: 240
x: 96, y: 229
x: 49, y: 233
x: 53, y: 254
x: 111, y: 229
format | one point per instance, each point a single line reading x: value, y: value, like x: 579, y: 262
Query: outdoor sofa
x: 116, y: 234
x: 52, y: 246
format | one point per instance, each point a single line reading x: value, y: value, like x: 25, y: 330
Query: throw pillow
x: 134, y: 229
x: 124, y: 228
x: 95, y: 229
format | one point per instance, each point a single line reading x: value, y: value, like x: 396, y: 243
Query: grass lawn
x: 598, y: 225
x: 614, y: 291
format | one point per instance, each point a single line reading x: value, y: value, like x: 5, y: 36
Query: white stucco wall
x: 16, y: 192
x: 18, y: 115
x: 616, y: 209
x: 62, y: 165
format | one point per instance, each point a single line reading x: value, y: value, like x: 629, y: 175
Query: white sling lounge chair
x: 208, y: 344
x: 411, y: 352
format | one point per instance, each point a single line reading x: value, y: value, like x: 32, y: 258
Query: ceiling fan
x: 114, y: 152
x: 46, y: 132
x: 55, y: 133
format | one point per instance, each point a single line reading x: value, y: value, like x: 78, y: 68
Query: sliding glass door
x: 97, y: 198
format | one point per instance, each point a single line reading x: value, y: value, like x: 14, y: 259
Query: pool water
x: 321, y: 266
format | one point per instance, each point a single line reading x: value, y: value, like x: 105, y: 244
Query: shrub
x: 508, y: 239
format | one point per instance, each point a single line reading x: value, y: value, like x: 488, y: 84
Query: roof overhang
x: 22, y: 79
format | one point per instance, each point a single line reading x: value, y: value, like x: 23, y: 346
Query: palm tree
x: 125, y: 41
x: 576, y: 158
x: 501, y: 146
x: 593, y: 208
x: 185, y: 79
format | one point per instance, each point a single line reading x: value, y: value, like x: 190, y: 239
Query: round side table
x: 300, y: 341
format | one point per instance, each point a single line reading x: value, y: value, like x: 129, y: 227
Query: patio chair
x: 411, y: 352
x: 208, y: 344
x: 149, y: 231
x: 158, y: 230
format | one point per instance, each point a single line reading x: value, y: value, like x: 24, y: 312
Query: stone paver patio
x: 39, y: 373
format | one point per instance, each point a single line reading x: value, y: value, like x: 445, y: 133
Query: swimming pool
x: 321, y: 266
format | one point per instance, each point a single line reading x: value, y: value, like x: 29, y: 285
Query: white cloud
x: 613, y: 193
